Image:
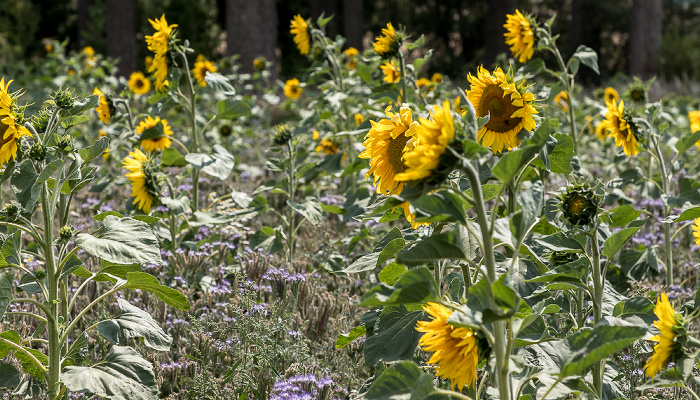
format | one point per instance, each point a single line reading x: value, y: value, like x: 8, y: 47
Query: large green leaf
x: 383, y: 250
x: 9, y: 376
x: 686, y: 142
x: 172, y: 158
x: 267, y: 239
x: 219, y: 163
x: 10, y: 341
x: 588, y: 57
x: 90, y: 153
x: 149, y: 283
x: 512, y: 162
x: 449, y: 245
x: 440, y: 206
x: 123, y: 375
x: 578, y: 352
x: 230, y: 108
x: 394, y: 337
x: 81, y: 105
x: 403, y: 381
x: 24, y: 185
x: 310, y: 208
x: 219, y: 83
x: 135, y: 323
x: 415, y: 286
x: 615, y: 242
x: 6, y: 285
x: 122, y: 241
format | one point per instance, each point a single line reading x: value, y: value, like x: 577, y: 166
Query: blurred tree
x: 585, y: 30
x: 251, y: 28
x: 494, y: 41
x: 121, y: 38
x: 353, y: 23
x: 645, y: 38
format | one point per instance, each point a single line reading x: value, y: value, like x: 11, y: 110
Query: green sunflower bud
x: 225, y: 131
x: 40, y: 274
x: 579, y: 205
x: 65, y: 143
x: 11, y: 211
x: 37, y: 152
x: 67, y: 232
x: 282, y: 136
x: 562, y: 257
x: 63, y: 98
x: 40, y: 121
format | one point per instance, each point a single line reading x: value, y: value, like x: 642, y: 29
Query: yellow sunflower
x: 359, y: 119
x: 410, y: 216
x: 315, y: 134
x: 385, y: 145
x: 611, y: 95
x: 510, y: 109
x: 694, y: 117
x: 431, y: 140
x: 391, y: 72
x: 619, y: 128
x: 201, y: 67
x: 105, y: 107
x: 148, y: 61
x: 156, y: 143
x: 292, y: 89
x: 327, y: 147
x: 520, y: 36
x: 142, y: 183
x: 259, y: 63
x: 388, y: 43
x: 562, y: 100
x: 696, y: 231
x: 10, y: 129
x: 455, y: 349
x: 158, y: 44
x: 436, y: 78
x: 138, y: 83
x: 668, y: 323
x: 350, y: 53
x: 90, y: 58
x: 300, y: 30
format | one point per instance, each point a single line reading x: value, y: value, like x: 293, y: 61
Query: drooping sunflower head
x: 153, y: 134
x: 696, y: 231
x: 282, y: 135
x: 327, y: 147
x: 351, y: 57
x: 160, y: 43
x: 672, y: 335
x: 455, y: 349
x: 579, y: 204
x: 138, y: 83
x: 90, y: 60
x: 144, y: 186
x: 392, y: 73
x: 620, y: 126
x: 562, y: 100
x: 388, y: 43
x: 105, y: 107
x: 427, y: 156
x: 302, y: 34
x: 520, y: 35
x: 385, y: 145
x: 509, y: 106
x: 11, y: 122
x: 611, y: 95
x: 201, y: 67
x: 638, y: 91
x: 292, y: 89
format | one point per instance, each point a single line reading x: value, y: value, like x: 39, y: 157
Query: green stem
x: 568, y: 82
x: 598, y: 290
x: 54, y: 368
x: 37, y: 316
x: 75, y: 320
x: 195, y: 136
x: 290, y: 178
x: 402, y: 71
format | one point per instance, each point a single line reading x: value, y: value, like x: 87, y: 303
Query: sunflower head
x: 521, y: 35
x: 611, y: 95
x: 327, y: 147
x: 436, y: 78
x: 11, y: 123
x: 351, y: 57
x: 292, y: 89
x: 671, y: 338
x: 201, y: 67
x: 259, y: 63
x: 225, y: 130
x: 696, y: 231
x: 455, y: 349
x: 392, y: 73
x: 359, y: 119
x: 619, y: 124
x: 153, y: 134
x: 105, y: 107
x: 579, y: 204
x: 388, y: 43
x: 138, y: 83
x: 638, y: 91
x: 160, y: 43
x: 509, y: 107
x: 282, y: 135
x: 562, y: 100
x: 302, y: 35
x: 142, y: 174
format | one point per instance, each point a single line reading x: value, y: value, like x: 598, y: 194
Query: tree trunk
x: 353, y: 23
x: 645, y: 38
x: 251, y: 31
x: 83, y: 20
x: 121, y: 38
x: 494, y: 41
x: 585, y: 30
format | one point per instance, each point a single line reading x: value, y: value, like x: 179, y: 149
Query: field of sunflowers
x: 361, y: 231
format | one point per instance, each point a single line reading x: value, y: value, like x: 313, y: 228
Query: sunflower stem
x: 402, y: 71
x: 569, y: 85
x: 195, y: 137
x: 290, y: 178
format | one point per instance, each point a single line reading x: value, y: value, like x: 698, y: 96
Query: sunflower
x: 436, y: 78
x: 388, y: 43
x: 359, y: 119
x: 158, y: 44
x: 300, y: 30
x: 618, y: 127
x: 10, y: 128
x: 259, y: 63
x: 142, y: 181
x: 694, y: 117
x: 201, y: 67
x: 562, y: 100
x: 432, y: 138
x: 611, y: 95
x: 148, y: 61
x: 520, y: 36
x: 90, y: 58
x: 510, y: 109
x: 155, y: 143
x: 422, y: 82
x: 669, y: 324
x: 350, y: 53
x: 292, y: 89
x: 385, y: 145
x: 138, y: 83
x: 391, y: 72
x: 410, y: 216
x: 105, y: 108
x: 327, y: 147
x: 696, y: 231
x: 455, y: 349
x: 315, y: 134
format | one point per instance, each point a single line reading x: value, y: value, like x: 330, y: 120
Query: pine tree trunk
x: 121, y: 38
x: 251, y: 28
x: 645, y: 38
x: 494, y: 41
x: 353, y: 23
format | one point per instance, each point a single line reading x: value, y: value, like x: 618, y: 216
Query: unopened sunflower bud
x: 282, y: 136
x: 67, y: 232
x: 225, y: 131
x: 10, y: 211
x: 562, y: 257
x: 40, y: 274
x: 37, y: 152
x: 579, y: 205
x: 64, y: 143
x: 63, y: 98
x: 40, y: 121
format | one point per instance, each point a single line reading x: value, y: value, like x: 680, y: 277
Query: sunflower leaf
x: 588, y: 57
x: 219, y: 163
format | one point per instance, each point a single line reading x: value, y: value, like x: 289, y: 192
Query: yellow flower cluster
x: 158, y: 43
